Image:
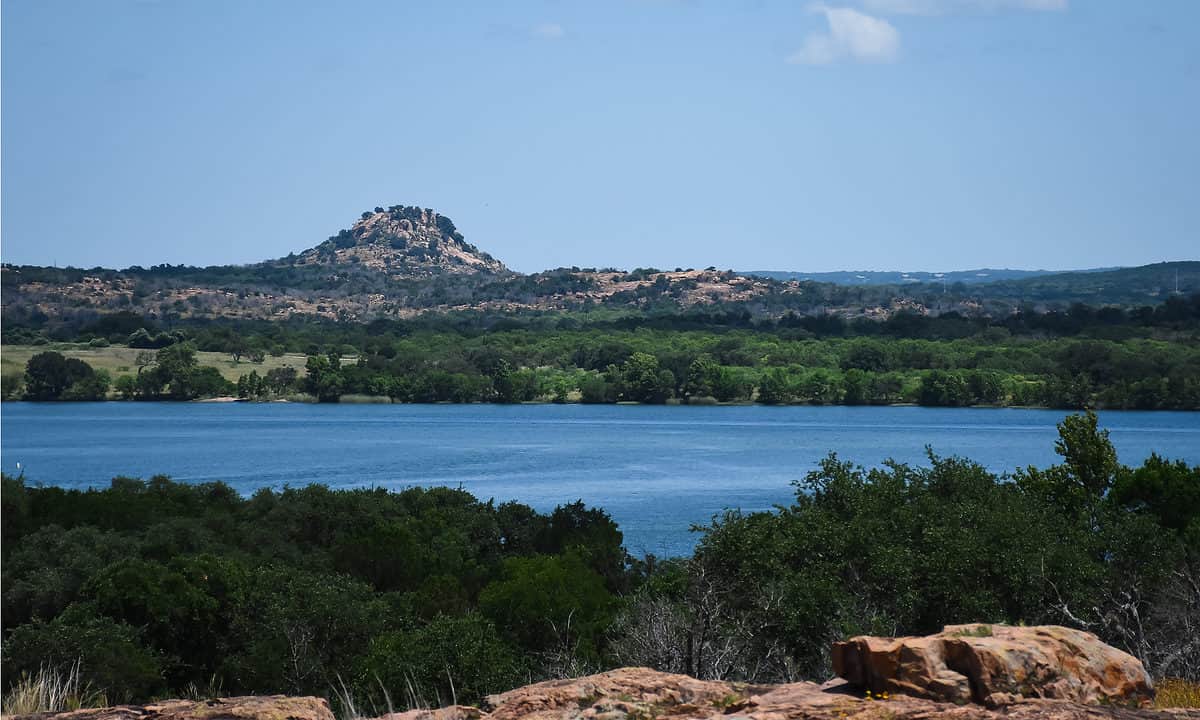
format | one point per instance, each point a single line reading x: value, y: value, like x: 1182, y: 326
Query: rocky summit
x: 405, y: 241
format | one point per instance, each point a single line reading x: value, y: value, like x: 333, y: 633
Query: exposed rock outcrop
x: 403, y: 241
x: 643, y: 694
x: 263, y: 707
x: 965, y: 672
x: 996, y: 665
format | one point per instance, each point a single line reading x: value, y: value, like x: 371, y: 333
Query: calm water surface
x: 657, y: 470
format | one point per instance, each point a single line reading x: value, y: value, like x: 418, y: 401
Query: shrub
x: 450, y: 660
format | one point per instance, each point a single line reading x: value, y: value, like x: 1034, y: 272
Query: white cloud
x: 549, y: 31
x: 944, y: 7
x: 852, y: 35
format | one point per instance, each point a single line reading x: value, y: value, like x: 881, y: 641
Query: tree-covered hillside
x: 400, y: 261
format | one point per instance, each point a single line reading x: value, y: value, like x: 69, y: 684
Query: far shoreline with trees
x: 694, y: 368
x: 1108, y: 357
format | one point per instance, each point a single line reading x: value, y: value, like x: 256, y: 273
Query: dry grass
x: 119, y: 360
x: 51, y: 690
x: 1176, y: 693
x: 345, y: 707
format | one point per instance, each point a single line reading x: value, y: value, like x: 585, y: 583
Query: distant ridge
x: 401, y: 261
x: 897, y: 277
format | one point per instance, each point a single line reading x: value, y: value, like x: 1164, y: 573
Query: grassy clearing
x: 1175, y: 693
x: 51, y: 690
x: 120, y: 360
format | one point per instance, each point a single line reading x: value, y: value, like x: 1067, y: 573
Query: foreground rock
x: 996, y: 665
x: 266, y: 707
x: 643, y: 694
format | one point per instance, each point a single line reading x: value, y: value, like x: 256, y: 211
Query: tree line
x: 1175, y: 315
x: 659, y: 366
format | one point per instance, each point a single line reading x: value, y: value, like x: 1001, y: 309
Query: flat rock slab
x: 996, y: 665
x: 643, y: 694
x: 259, y: 707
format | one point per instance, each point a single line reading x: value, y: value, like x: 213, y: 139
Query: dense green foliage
x: 429, y: 594
x: 161, y: 586
x: 780, y: 365
x: 1114, y: 357
x: 906, y: 550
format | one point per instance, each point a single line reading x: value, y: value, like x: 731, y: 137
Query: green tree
x: 856, y: 387
x: 297, y: 631
x: 944, y: 388
x: 110, y: 654
x: 1170, y: 491
x: 868, y: 355
x: 644, y: 381
x: 49, y: 374
x: 1088, y: 453
x: 280, y: 380
x: 45, y: 572
x: 550, y: 603
x: 707, y: 378
x: 700, y: 376
x: 90, y: 387
x: 595, y: 389
x: 177, y: 369
x: 178, y: 607
x: 126, y: 385
x: 324, y: 378
x: 452, y: 659
x: 504, y: 381
x: 986, y: 387
x: 820, y: 387
x: 1076, y: 487
x: 774, y: 388
x: 237, y: 347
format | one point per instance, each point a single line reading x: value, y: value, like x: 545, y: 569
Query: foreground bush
x: 904, y: 550
x: 155, y: 587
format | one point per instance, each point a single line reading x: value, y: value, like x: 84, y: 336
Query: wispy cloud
x: 945, y: 7
x: 549, y: 31
x: 852, y: 35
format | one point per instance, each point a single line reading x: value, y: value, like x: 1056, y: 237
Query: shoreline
x: 383, y: 400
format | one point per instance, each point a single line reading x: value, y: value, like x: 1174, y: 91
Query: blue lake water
x: 657, y: 470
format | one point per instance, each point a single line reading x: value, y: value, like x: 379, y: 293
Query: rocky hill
x: 402, y: 241
x: 401, y: 261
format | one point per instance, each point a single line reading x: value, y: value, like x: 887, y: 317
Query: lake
x: 656, y: 469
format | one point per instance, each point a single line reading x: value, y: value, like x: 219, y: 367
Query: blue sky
x: 791, y: 135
